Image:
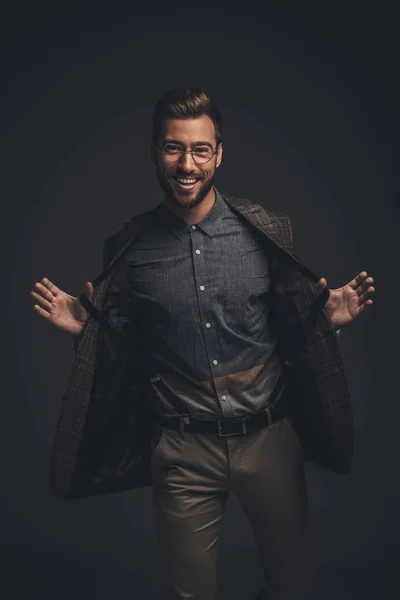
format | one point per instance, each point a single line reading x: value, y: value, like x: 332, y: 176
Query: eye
x: 202, y: 150
x: 172, y: 148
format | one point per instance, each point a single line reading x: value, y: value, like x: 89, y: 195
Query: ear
x: 219, y: 156
x: 153, y: 154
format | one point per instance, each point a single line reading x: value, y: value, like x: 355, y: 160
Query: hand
x: 347, y: 303
x: 62, y: 310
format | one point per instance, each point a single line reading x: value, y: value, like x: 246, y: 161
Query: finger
x: 41, y: 311
x: 363, y: 306
x: 365, y: 296
x: 44, y: 291
x: 358, y: 280
x: 42, y: 301
x: 364, y: 286
x: 321, y: 285
x: 50, y: 286
x: 88, y: 289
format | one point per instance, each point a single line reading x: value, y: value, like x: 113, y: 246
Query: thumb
x: 321, y: 285
x: 88, y: 290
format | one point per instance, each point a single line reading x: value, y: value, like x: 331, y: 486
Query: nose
x: 187, y: 163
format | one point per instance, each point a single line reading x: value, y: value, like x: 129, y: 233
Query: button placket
x: 200, y: 272
x: 223, y: 398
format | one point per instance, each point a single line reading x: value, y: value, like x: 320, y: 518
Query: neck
x: 196, y: 213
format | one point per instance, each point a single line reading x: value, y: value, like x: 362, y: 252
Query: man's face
x: 189, y: 134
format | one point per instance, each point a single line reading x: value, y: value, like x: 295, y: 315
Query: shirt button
x: 215, y: 362
x: 223, y: 397
x: 208, y: 325
x: 197, y: 251
x: 202, y: 288
x: 194, y: 227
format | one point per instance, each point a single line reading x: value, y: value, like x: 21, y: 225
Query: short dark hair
x: 186, y: 102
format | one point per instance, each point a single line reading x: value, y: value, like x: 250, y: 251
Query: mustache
x: 186, y: 174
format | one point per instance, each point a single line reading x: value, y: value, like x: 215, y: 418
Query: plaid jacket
x: 102, y: 441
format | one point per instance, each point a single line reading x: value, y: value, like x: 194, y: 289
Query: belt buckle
x: 241, y: 431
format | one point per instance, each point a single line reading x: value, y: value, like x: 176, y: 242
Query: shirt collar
x: 209, y: 224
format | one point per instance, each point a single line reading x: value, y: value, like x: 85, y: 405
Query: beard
x: 181, y: 198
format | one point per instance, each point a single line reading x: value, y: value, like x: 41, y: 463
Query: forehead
x: 188, y: 131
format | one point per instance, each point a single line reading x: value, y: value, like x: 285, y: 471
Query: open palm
x: 62, y: 310
x: 346, y: 303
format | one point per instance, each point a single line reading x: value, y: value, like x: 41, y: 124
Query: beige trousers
x: 191, y: 481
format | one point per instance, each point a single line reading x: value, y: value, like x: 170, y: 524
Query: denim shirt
x: 201, y: 296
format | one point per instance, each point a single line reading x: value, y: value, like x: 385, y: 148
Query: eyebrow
x: 196, y: 143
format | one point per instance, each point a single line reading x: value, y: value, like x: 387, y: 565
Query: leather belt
x: 231, y: 426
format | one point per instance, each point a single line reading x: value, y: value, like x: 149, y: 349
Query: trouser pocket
x: 157, y: 438
x: 292, y: 428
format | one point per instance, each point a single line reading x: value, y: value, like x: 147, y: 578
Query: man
x: 206, y: 361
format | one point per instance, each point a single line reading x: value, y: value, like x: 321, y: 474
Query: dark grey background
x: 310, y: 101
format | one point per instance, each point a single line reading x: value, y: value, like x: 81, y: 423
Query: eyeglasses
x: 200, y: 154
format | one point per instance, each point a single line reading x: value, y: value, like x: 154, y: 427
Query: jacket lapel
x: 264, y: 221
x: 276, y: 229
x: 114, y: 248
x: 117, y: 244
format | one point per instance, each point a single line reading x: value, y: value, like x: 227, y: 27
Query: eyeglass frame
x: 183, y: 152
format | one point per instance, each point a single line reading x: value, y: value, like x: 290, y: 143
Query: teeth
x: 186, y: 180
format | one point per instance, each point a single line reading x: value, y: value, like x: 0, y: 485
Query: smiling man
x: 206, y: 362
x: 186, y: 152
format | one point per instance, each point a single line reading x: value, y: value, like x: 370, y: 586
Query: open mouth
x: 186, y: 183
